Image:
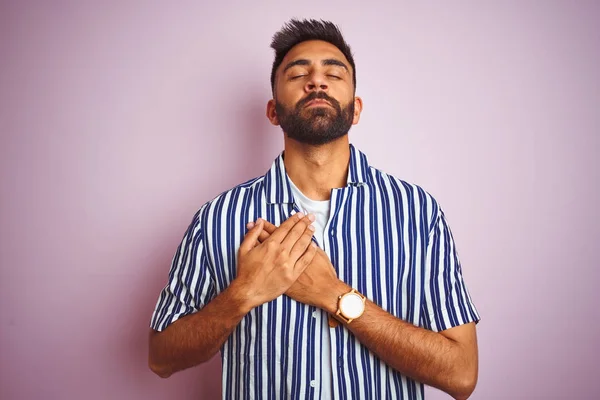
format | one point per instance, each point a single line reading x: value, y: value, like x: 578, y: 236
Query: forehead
x: 315, y: 51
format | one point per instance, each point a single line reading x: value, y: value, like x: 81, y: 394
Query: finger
x: 252, y: 237
x: 251, y: 225
x: 301, y: 244
x: 269, y: 227
x: 264, y: 235
x: 265, y: 232
x: 304, y: 261
x: 297, y: 231
x: 281, y: 232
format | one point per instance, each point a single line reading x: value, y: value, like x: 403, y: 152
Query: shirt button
x: 313, y: 383
x: 314, y: 314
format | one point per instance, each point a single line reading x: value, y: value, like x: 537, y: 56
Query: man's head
x: 313, y: 81
x: 295, y: 32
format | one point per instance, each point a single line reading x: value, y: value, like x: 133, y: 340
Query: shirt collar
x: 277, y: 186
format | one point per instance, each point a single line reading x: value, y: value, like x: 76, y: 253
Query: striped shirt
x: 386, y: 238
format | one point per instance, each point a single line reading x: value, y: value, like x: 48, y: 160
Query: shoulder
x: 231, y: 198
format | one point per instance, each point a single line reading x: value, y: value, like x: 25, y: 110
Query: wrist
x: 330, y: 300
x: 241, y: 296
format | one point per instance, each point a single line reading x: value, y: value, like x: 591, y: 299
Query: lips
x: 317, y: 103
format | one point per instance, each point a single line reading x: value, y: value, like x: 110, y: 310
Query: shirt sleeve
x: 191, y: 284
x: 446, y: 301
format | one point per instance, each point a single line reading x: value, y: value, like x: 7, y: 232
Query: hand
x: 266, y: 270
x: 317, y: 285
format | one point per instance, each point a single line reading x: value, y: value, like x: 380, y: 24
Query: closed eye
x: 296, y: 77
x: 334, y: 76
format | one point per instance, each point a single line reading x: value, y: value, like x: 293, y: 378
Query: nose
x: 316, y: 83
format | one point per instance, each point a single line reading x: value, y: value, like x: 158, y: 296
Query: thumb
x: 252, y: 236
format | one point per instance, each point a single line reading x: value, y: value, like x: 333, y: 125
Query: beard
x: 316, y: 125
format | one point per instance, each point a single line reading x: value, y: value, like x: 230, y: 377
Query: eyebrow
x: 327, y: 61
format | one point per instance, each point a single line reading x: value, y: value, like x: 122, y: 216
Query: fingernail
x: 250, y: 225
x: 312, y: 228
x: 300, y: 215
x: 311, y: 217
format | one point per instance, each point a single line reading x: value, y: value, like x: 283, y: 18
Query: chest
x: 374, y: 245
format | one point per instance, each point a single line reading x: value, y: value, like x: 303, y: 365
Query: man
x: 325, y: 278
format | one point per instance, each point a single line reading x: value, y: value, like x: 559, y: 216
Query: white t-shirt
x: 320, y: 208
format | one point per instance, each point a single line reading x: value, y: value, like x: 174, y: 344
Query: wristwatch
x: 350, y: 306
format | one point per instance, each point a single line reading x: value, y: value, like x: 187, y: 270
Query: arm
x: 265, y: 271
x: 446, y: 360
x: 197, y: 337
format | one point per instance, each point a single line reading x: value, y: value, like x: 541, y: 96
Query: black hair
x: 297, y: 31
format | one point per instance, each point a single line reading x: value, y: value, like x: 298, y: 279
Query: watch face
x: 352, y: 306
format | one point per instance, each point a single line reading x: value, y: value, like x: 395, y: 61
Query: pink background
x: 118, y: 120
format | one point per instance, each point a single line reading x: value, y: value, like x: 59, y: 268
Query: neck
x: 315, y: 170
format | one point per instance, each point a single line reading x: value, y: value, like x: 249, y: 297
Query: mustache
x: 318, y: 95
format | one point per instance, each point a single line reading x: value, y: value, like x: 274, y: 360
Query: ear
x: 358, y: 106
x: 272, y: 113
